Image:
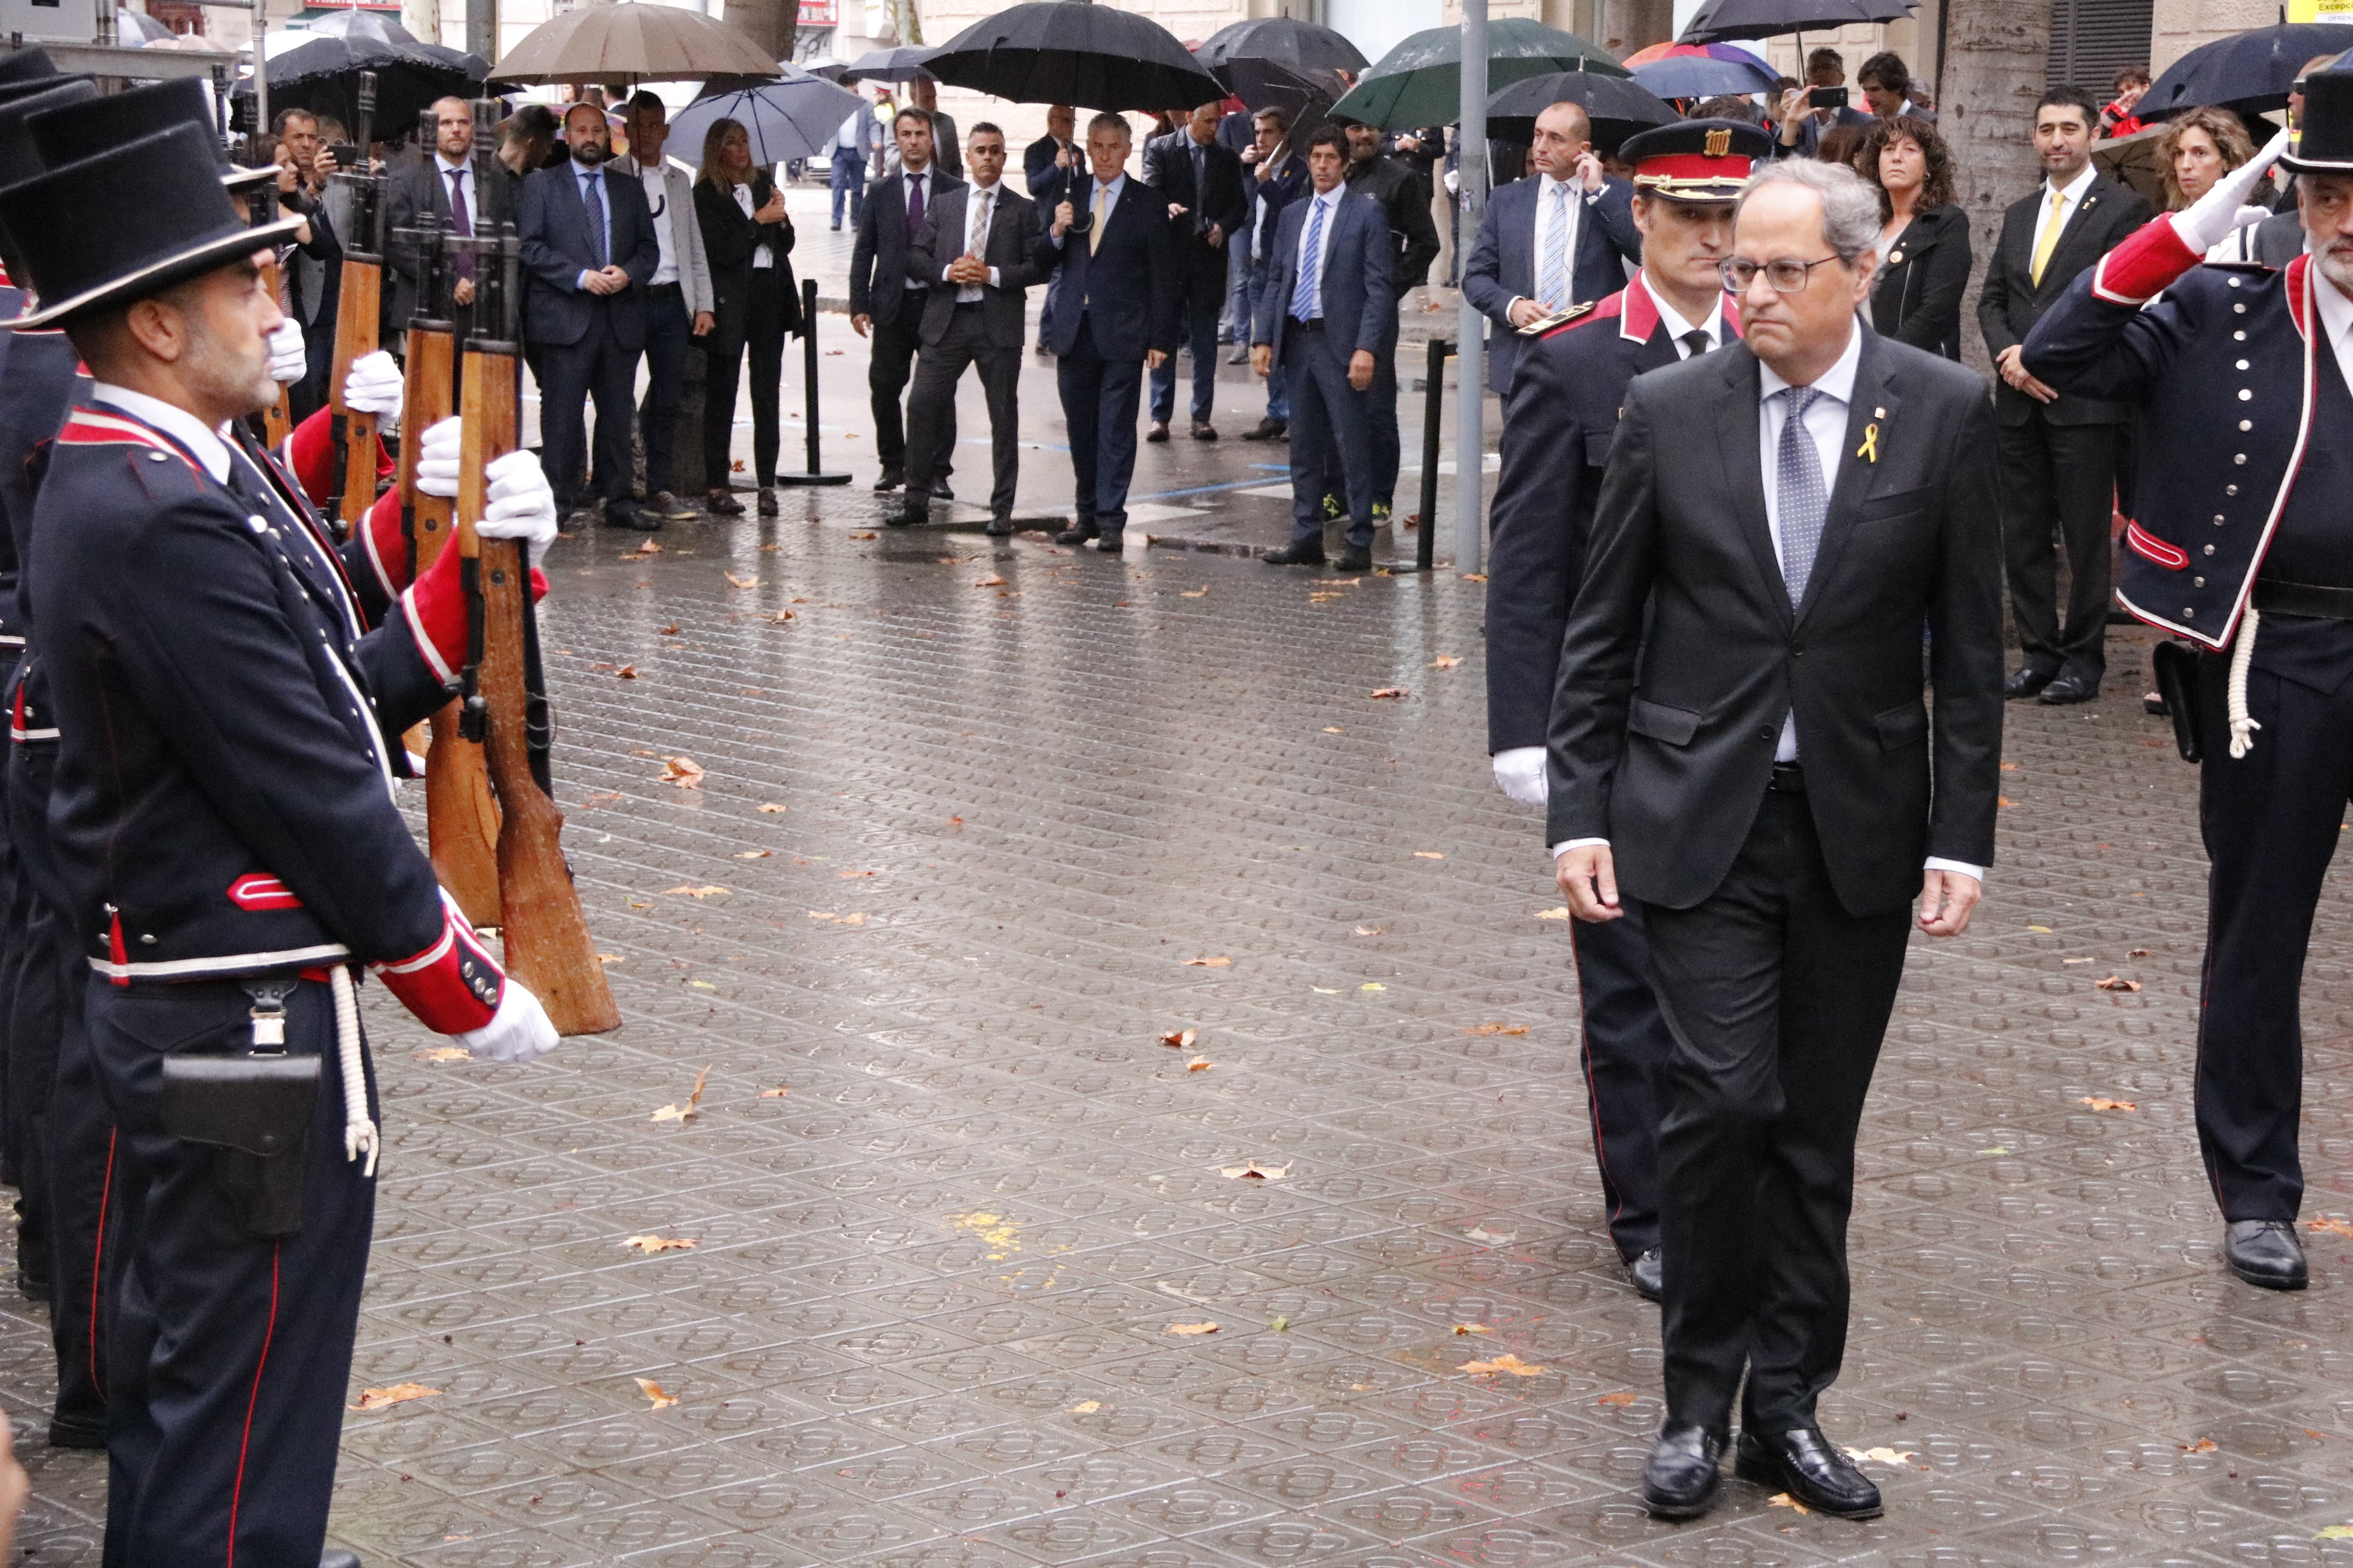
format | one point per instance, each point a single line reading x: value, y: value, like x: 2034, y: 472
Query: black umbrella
x: 1719, y: 21
x: 1283, y: 41
x: 1306, y: 98
x: 2248, y: 72
x: 1617, y: 107
x: 359, y: 24
x: 1067, y: 51
x: 902, y: 64
x: 323, y: 75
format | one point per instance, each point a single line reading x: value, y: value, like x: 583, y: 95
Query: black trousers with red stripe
x: 1625, y: 1047
x: 232, y: 1356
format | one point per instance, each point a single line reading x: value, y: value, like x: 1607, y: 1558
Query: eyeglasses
x: 1786, y: 274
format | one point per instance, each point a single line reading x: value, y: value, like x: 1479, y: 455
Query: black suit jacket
x: 552, y: 226
x: 729, y: 237
x: 2012, y: 301
x: 418, y: 186
x: 1125, y: 290
x: 1916, y: 298
x: 1012, y: 234
x: 1682, y: 655
x: 1037, y: 171
x: 878, y: 262
x: 1168, y: 163
x: 1392, y: 182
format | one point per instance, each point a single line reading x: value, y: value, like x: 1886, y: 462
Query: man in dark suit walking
x: 974, y: 250
x: 1571, y: 384
x: 1116, y: 315
x: 589, y: 249
x: 1739, y: 743
x: 1326, y: 312
x: 2059, y: 452
x: 1560, y: 239
x: 451, y: 184
x: 1201, y: 181
x: 886, y: 299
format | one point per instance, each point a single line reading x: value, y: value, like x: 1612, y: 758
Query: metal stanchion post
x: 1425, y: 545
x: 815, y: 475
x: 1470, y: 411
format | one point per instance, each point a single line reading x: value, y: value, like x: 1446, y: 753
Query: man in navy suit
x: 886, y: 299
x: 1560, y: 239
x: 1201, y: 180
x: 1326, y: 313
x: 1115, y: 313
x: 589, y: 249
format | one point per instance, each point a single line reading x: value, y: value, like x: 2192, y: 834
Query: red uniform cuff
x: 386, y: 546
x: 2145, y: 265
x: 311, y: 450
x: 436, y: 608
x: 452, y: 986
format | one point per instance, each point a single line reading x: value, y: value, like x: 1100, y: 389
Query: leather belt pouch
x: 2175, y: 667
x: 255, y: 1111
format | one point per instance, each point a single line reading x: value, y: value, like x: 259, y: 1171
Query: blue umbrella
x: 1689, y: 76
x: 795, y: 118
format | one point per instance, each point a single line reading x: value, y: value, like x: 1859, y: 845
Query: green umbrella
x: 1419, y: 82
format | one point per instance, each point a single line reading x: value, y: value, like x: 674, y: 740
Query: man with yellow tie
x: 2060, y: 453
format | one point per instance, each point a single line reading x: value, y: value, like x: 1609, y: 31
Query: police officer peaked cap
x: 64, y: 133
x: 27, y: 65
x: 2323, y: 142
x: 1695, y: 160
x: 124, y: 224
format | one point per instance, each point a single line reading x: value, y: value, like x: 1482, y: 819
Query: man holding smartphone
x: 1807, y: 112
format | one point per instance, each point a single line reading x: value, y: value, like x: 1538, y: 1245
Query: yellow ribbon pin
x: 1869, y: 451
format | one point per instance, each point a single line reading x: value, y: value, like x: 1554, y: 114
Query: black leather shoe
x: 336, y: 1557
x: 1301, y: 554
x: 1110, y: 545
x: 907, y: 516
x: 629, y: 515
x: 1204, y: 431
x: 1000, y: 527
x: 1268, y: 430
x: 1158, y: 433
x: 940, y: 491
x: 891, y: 479
x: 1809, y: 1468
x: 1644, y: 1271
x: 2266, y: 1252
x: 2069, y: 689
x: 77, y: 1434
x: 1354, y: 559
x: 1078, y: 535
x: 1680, y: 1479
x: 2025, y: 682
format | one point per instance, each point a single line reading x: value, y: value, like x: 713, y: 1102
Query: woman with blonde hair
x: 2200, y: 147
x: 746, y: 237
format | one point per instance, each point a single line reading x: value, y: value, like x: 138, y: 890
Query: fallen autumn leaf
x: 2096, y: 1103
x: 1254, y: 1171
x: 1219, y: 962
x: 1392, y: 690
x: 754, y: 853
x: 1622, y: 1398
x: 399, y: 1394
x: 653, y: 1391
x: 662, y: 1244
x: 741, y: 582
x: 1508, y: 1362
x: 683, y: 772
x: 1444, y: 662
x: 2118, y: 982
x: 705, y: 891
x: 1558, y: 912
x: 1177, y: 1039
x: 445, y: 1054
x: 1497, y: 1029
x: 2334, y: 1226
x: 1472, y: 1329
x: 772, y: 807
x: 1192, y: 1328
x: 693, y: 1107
x: 627, y: 672
x: 1199, y: 1064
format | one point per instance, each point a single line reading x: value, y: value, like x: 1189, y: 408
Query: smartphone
x: 1826, y: 97
x: 347, y: 154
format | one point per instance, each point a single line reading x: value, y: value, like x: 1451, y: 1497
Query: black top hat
x: 27, y: 65
x: 29, y: 87
x: 65, y: 131
x: 21, y: 154
x: 2322, y: 142
x: 126, y: 222
x: 1695, y: 160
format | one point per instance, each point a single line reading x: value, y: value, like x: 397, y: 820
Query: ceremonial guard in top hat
x: 1565, y: 399
x: 224, y: 821
x: 2242, y: 550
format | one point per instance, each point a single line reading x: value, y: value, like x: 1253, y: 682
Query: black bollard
x: 815, y: 475
x: 1434, y: 388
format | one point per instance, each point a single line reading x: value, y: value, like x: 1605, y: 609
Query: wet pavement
x: 952, y: 1196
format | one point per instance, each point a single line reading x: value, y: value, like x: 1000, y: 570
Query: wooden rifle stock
x: 278, y: 420
x: 547, y: 941
x: 357, y: 309
x: 461, y: 814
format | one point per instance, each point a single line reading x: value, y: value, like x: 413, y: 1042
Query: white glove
x: 436, y: 460
x: 517, y: 1032
x: 2213, y: 215
x: 521, y: 506
x: 288, y: 364
x: 1520, y: 773
x: 375, y: 386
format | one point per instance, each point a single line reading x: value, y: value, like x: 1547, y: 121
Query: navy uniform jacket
x: 2224, y: 365
x: 1566, y: 395
x: 223, y: 799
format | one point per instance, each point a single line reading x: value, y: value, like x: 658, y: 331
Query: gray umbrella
x: 902, y: 64
x: 795, y: 118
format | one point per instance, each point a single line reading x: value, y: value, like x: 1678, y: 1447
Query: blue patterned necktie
x: 1303, y: 300
x: 1552, y: 280
x: 592, y: 197
x: 1804, y: 497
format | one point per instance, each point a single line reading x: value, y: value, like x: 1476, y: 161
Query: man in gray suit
x: 1739, y: 742
x: 973, y: 252
x: 680, y: 302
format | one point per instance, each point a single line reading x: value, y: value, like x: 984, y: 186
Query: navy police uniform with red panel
x: 223, y: 815
x: 1568, y: 390
x: 2242, y: 548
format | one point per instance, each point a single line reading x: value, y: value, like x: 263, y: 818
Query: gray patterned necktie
x: 1805, y: 497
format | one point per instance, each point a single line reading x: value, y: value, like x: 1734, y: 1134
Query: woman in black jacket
x: 745, y: 238
x: 1923, y: 237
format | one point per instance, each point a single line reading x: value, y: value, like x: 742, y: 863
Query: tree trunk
x: 771, y: 24
x: 1996, y: 57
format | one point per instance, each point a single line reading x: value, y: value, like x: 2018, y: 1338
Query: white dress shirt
x: 1109, y: 200
x: 979, y: 212
x: 1825, y: 425
x: 761, y: 255
x: 1330, y: 202
x: 2071, y: 197
x: 1677, y: 328
x: 1578, y: 198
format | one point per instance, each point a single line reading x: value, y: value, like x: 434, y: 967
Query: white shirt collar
x: 441, y: 160
x: 1330, y: 198
x: 923, y: 173
x: 2335, y: 313
x: 210, y: 446
x: 2074, y: 189
x: 1547, y: 185
x: 1677, y: 326
x: 1837, y: 382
